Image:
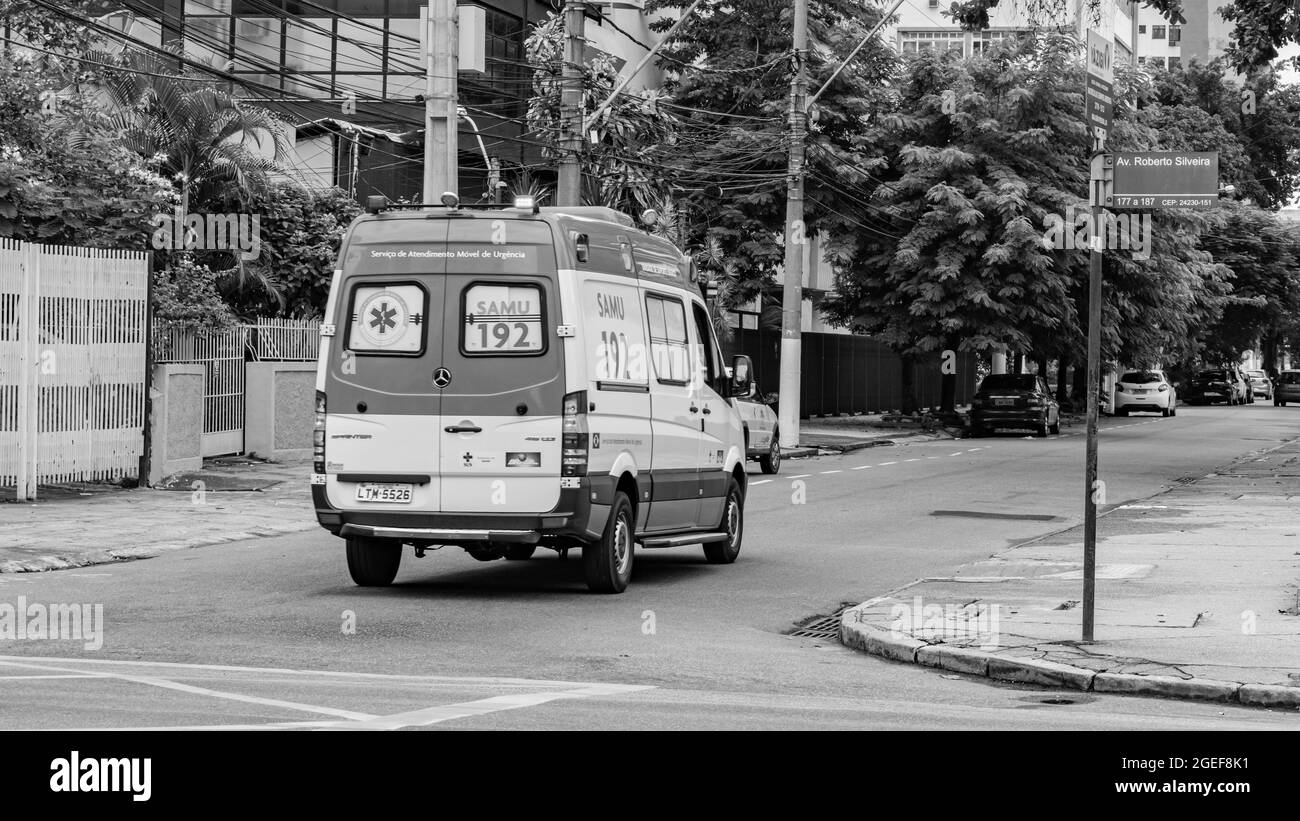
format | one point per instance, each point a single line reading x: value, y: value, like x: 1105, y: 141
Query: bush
x: 185, y: 297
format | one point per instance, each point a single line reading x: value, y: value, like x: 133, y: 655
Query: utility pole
x: 796, y: 237
x: 441, y: 43
x: 568, y: 190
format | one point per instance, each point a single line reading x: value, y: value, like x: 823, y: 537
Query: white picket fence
x: 72, y: 364
x: 223, y: 356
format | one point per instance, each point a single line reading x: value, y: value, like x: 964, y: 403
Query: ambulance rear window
x: 387, y: 318
x: 502, y: 319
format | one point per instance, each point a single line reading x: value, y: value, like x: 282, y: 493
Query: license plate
x: 1004, y: 402
x: 373, y: 492
x: 1140, y: 391
x: 1209, y: 393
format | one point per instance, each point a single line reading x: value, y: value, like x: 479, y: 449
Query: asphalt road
x: 250, y: 634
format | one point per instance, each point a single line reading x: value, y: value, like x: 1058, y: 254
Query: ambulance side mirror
x: 741, y: 375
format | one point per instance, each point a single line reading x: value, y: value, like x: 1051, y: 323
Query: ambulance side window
x: 669, y: 345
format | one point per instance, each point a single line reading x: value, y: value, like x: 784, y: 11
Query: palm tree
x: 211, y: 144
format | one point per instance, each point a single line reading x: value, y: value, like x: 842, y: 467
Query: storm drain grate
x: 822, y: 627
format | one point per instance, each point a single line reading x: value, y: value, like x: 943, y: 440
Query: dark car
x: 1217, y: 385
x: 1287, y: 388
x: 1010, y: 400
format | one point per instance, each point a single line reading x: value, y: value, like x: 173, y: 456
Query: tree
x: 56, y: 188
x: 1255, y: 126
x: 623, y: 167
x: 983, y: 150
x: 728, y: 77
x: 300, y: 236
x: 219, y: 150
x: 1263, y: 254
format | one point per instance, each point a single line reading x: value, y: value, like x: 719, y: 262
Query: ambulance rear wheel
x: 607, y: 562
x: 373, y: 562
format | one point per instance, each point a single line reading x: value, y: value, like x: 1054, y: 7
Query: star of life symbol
x: 384, y: 320
x: 469, y: 459
x: 383, y: 317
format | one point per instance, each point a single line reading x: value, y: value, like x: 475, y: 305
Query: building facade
x: 348, y: 75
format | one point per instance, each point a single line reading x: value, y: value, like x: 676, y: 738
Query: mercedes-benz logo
x: 442, y: 378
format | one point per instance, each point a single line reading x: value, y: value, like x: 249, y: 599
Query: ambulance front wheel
x: 373, y: 562
x: 733, y: 524
x: 607, y: 562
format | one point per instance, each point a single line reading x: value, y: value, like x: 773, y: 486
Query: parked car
x: 1287, y: 388
x: 1011, y: 400
x: 1146, y: 391
x: 1243, y: 382
x: 1216, y: 385
x: 762, y: 435
x: 1260, y: 384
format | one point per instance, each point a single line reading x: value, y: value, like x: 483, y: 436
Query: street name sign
x: 1099, y: 85
x: 1165, y: 179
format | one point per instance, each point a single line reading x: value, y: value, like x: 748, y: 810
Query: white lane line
x: 972, y: 450
x: 862, y: 467
x: 932, y: 457
x: 760, y: 482
x: 832, y: 471
x: 167, y: 684
x: 960, y: 452
x: 911, y: 460
x: 495, y: 704
x: 35, y: 678
x: 450, y: 681
x: 882, y: 464
x: 806, y: 475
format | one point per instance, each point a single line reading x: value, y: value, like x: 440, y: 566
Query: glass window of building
x: 1157, y: 32
x: 917, y: 41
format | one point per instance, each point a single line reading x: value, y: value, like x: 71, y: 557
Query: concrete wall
x: 279, y: 402
x: 176, y: 432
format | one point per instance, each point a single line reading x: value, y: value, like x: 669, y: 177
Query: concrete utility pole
x: 441, y: 42
x: 796, y: 237
x: 568, y: 190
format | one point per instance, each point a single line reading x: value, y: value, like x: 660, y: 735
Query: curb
x: 886, y: 644
x: 41, y: 564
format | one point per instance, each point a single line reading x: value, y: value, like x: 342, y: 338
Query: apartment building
x: 348, y: 75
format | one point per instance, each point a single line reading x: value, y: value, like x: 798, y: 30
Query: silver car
x: 762, y: 437
x: 1260, y: 384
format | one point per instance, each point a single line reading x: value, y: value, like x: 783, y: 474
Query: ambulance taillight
x: 573, y: 459
x: 318, y: 436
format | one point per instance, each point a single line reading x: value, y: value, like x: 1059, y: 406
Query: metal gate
x: 72, y: 364
x: 223, y: 356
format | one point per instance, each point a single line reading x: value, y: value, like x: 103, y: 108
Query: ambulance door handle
x: 462, y: 429
x: 694, y: 409
x: 706, y: 409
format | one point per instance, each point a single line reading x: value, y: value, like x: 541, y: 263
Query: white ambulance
x: 505, y: 379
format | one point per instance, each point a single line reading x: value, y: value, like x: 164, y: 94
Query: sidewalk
x: 229, y: 500
x: 1198, y: 596
x: 842, y: 434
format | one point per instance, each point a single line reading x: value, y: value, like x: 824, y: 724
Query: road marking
x: 343, y: 719
x: 862, y: 467
x: 806, y: 475
x: 932, y: 457
x: 882, y: 464
x: 495, y: 704
x: 981, y: 447
x: 167, y: 684
x: 911, y: 460
x: 832, y: 471
x: 760, y: 482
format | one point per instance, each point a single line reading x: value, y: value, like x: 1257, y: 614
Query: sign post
x: 1098, y: 115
